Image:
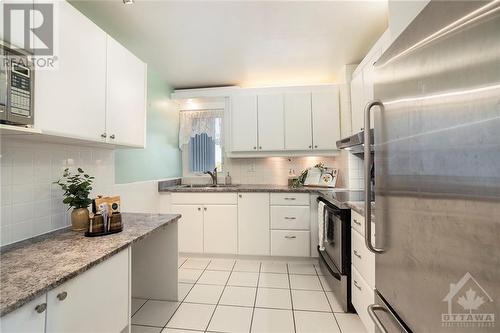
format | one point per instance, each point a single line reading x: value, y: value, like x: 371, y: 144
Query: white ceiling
x: 248, y: 43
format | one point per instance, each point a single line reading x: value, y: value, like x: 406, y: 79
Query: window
x: 200, y: 139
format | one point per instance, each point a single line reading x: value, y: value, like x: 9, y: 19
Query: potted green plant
x: 77, y: 189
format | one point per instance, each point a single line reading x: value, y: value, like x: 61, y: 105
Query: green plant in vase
x: 77, y: 187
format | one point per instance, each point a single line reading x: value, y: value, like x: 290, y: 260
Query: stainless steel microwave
x: 16, y: 87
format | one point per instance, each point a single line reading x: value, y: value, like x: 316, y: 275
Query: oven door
x: 334, y: 237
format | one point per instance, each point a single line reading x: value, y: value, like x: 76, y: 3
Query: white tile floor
x: 237, y: 295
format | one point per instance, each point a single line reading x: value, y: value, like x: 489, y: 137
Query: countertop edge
x: 22, y: 301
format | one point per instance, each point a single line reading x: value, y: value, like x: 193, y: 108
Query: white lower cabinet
x: 253, y: 224
x: 95, y: 301
x: 190, y: 227
x: 220, y: 229
x: 209, y: 222
x: 29, y: 318
x: 362, y: 296
x: 290, y: 243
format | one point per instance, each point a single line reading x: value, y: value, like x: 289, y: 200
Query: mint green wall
x: 162, y: 157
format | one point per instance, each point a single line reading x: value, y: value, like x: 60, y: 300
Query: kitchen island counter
x: 37, y: 265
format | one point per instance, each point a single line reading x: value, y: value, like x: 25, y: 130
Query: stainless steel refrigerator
x: 437, y: 166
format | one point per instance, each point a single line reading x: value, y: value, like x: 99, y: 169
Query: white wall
x: 402, y: 12
x: 30, y: 203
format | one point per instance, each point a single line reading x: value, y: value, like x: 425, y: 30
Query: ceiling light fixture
x: 128, y: 2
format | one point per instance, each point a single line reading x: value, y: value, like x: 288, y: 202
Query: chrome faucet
x: 213, y: 175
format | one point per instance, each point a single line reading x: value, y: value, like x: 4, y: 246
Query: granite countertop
x: 238, y: 188
x: 32, y: 267
x: 359, y: 207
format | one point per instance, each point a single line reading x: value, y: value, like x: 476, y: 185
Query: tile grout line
x: 181, y: 302
x: 291, y: 299
x: 220, y: 297
x: 255, y: 298
x: 329, y: 304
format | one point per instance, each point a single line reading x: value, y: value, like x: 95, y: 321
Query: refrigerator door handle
x: 371, y: 311
x: 367, y: 171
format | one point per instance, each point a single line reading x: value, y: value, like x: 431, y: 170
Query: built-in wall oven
x: 335, y: 259
x: 16, y: 87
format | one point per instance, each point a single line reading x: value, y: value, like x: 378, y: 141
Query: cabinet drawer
x: 362, y: 296
x: 290, y: 217
x: 362, y: 258
x: 290, y: 243
x: 290, y: 199
x: 358, y: 222
x: 204, y: 198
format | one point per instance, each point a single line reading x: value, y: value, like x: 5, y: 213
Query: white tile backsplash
x: 30, y: 203
x: 274, y: 170
x: 356, y: 172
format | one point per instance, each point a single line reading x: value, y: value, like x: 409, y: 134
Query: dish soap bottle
x: 228, y: 179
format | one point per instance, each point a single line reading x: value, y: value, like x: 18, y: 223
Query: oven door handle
x: 329, y: 264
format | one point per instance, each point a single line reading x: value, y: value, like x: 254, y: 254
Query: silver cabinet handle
x: 240, y: 196
x: 40, y: 308
x: 356, y: 284
x: 260, y: 147
x: 204, y: 208
x: 112, y: 136
x: 315, y: 146
x: 104, y: 135
x: 62, y: 296
x: 290, y: 237
x: 376, y: 307
x: 310, y: 147
x: 199, y: 208
x: 290, y: 218
x: 368, y: 184
x: 254, y: 147
x: 356, y: 221
x: 290, y: 198
x: 357, y: 254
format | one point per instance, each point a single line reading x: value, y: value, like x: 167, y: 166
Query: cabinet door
x: 190, y: 228
x: 271, y: 122
x: 244, y: 123
x: 125, y: 96
x: 70, y: 100
x: 95, y: 301
x: 357, y: 103
x: 326, y: 119
x: 28, y: 318
x: 298, y: 130
x: 220, y: 224
x: 253, y: 224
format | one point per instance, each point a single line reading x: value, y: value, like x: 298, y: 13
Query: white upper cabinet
x: 244, y: 123
x: 126, y: 96
x: 357, y: 103
x: 70, y: 100
x: 271, y: 127
x: 363, y: 81
x: 298, y: 127
x: 285, y: 120
x: 325, y: 119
